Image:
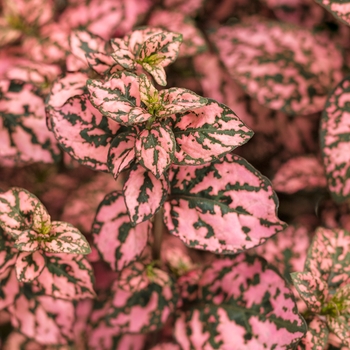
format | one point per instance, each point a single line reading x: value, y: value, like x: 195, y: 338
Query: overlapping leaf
x: 208, y: 133
x: 284, y: 67
x: 116, y: 238
x: 299, y: 173
x: 316, y: 337
x: 242, y: 304
x: 24, y: 136
x: 224, y: 207
x: 335, y: 141
x: 144, y: 193
x: 83, y: 132
x: 338, y: 8
x: 142, y: 300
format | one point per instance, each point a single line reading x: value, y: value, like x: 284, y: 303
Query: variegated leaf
x: 119, y: 98
x: 299, y: 173
x: 340, y: 9
x: 8, y: 254
x: 155, y: 148
x: 29, y: 266
x: 166, y: 346
x: 243, y: 304
x: 17, y: 207
x: 83, y: 132
x: 18, y: 341
x: 118, y: 241
x: 328, y: 257
x: 9, y: 288
x: 70, y: 85
x: 142, y: 300
x: 24, y: 137
x: 47, y: 320
x: 65, y: 238
x: 208, y: 133
x: 335, y: 141
x: 66, y: 276
x: 316, y: 337
x: 27, y: 241
x: 224, y: 207
x: 340, y: 326
x: 144, y: 193
x: 312, y: 289
x: 193, y: 41
x: 102, y: 63
x: 284, y: 67
x: 122, y: 151
x: 124, y: 57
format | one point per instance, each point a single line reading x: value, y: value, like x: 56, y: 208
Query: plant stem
x: 158, y: 228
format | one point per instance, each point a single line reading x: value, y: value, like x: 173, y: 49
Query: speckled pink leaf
x: 340, y: 326
x: 155, y: 148
x: 65, y: 238
x: 29, y: 265
x: 9, y: 288
x: 24, y: 137
x: 70, y: 85
x: 312, y: 289
x: 144, y: 193
x: 208, y: 133
x: 45, y: 319
x: 102, y: 63
x: 27, y: 241
x: 284, y: 67
x: 225, y: 207
x: 119, y: 98
x: 335, y: 140
x: 243, y: 304
x: 316, y: 337
x: 193, y: 41
x: 8, y: 253
x: 340, y: 9
x: 117, y: 240
x: 328, y: 257
x: 17, y: 207
x: 122, y: 152
x: 66, y: 276
x: 83, y: 132
x: 18, y: 341
x: 142, y: 300
x: 299, y: 173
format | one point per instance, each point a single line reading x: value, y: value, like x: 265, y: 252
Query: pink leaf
x: 258, y: 55
x: 29, y: 266
x: 341, y: 328
x: 242, y: 305
x: 116, y: 238
x: 224, y: 207
x: 335, y: 141
x: 155, y: 148
x: 208, y: 133
x: 317, y: 335
x: 119, y: 98
x: 299, y: 173
x: 9, y: 288
x: 188, y: 7
x: 102, y: 63
x: 8, y: 254
x: 84, y: 132
x: 338, y: 8
x: 27, y: 241
x: 144, y: 194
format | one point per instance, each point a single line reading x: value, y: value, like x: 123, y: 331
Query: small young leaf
x: 335, y: 141
x: 144, y: 193
x: 224, y: 207
x: 118, y: 241
x: 155, y: 148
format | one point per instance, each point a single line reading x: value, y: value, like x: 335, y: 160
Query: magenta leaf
x: 45, y: 319
x: 118, y: 241
x: 83, y: 132
x: 66, y: 276
x: 243, y: 304
x: 299, y: 173
x: 335, y: 141
x: 24, y: 137
x: 29, y: 266
x: 17, y: 208
x: 338, y: 8
x: 224, y: 207
x: 155, y: 148
x: 119, y: 98
x: 143, y: 297
x: 144, y: 193
x: 208, y: 133
x: 312, y: 289
x: 122, y: 151
x: 284, y: 67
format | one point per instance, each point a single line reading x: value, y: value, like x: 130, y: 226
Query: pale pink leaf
x: 27, y: 241
x: 29, y: 266
x: 316, y: 337
x: 9, y: 288
x: 340, y: 9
